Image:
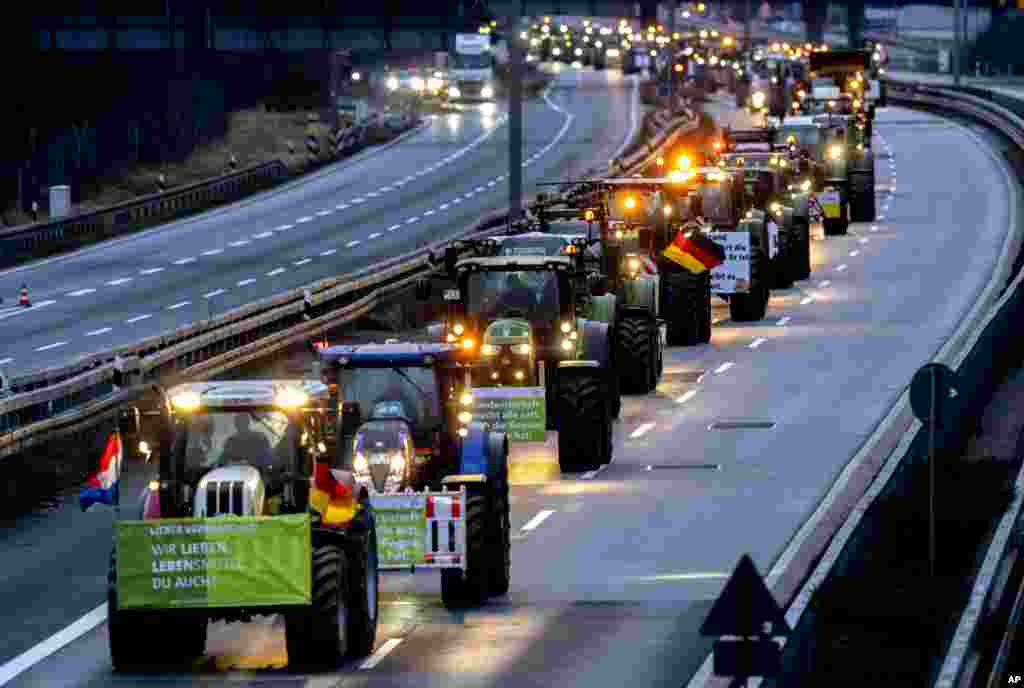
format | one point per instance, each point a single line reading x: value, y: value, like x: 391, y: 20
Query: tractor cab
x: 401, y: 411
x: 245, y: 448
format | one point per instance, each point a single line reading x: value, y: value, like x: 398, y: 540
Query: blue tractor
x: 405, y: 428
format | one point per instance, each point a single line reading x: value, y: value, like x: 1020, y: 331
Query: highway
x: 614, y: 571
x: 423, y: 189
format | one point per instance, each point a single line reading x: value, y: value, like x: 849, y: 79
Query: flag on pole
x: 102, y: 486
x: 695, y: 251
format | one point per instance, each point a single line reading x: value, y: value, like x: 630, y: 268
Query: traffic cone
x: 23, y: 297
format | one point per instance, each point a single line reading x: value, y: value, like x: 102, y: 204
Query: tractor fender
x: 635, y: 311
x: 641, y: 293
x: 602, y: 308
x: 801, y: 206
x: 484, y: 452
x: 596, y: 342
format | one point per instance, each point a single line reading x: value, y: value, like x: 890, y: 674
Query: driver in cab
x: 517, y: 295
x: 247, y: 445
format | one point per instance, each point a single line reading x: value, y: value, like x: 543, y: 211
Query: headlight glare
x: 489, y: 350
x: 522, y: 349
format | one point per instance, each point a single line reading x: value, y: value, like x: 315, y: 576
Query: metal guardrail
x: 272, y: 322
x: 23, y: 242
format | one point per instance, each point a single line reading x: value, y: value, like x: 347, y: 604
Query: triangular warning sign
x: 745, y: 606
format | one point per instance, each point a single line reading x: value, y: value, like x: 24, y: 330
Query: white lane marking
x: 263, y: 235
x: 687, y: 396
x: 382, y: 652
x: 4, y: 361
x: 633, y: 121
x: 304, y: 218
x: 28, y: 659
x: 81, y: 292
x: 178, y: 305
x: 500, y: 178
x: 783, y: 321
x: 282, y: 228
x: 427, y: 212
x: 100, y: 331
x: 184, y: 261
x: 122, y: 280
x: 468, y: 195
x: 342, y: 206
x: 479, y: 189
x: 321, y: 213
x: 353, y: 243
x: 303, y: 261
x: 358, y: 200
x: 444, y: 206
x: 245, y: 282
x: 590, y: 475
x: 824, y: 283
x: 51, y: 346
x: 456, y: 201
x: 275, y: 272
x: 854, y: 254
x: 411, y: 220
x: 881, y: 217
x: 536, y: 520
x: 240, y: 242
x: 151, y: 271
x: 372, y: 194
x: 874, y: 228
x: 641, y: 431
x: 374, y: 235
x: 841, y: 267
x: 211, y: 294
x: 137, y: 318
x: 491, y: 183
x: 394, y: 227
x: 757, y: 342
x: 863, y: 240
x: 329, y: 252
x: 724, y: 367
x: 22, y: 309
x: 212, y: 252
x: 385, y: 189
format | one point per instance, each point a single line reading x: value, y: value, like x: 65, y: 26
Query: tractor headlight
x: 835, y: 152
x: 489, y: 350
x: 566, y: 344
x: 360, y: 463
x: 466, y: 399
x: 757, y: 99
x: 454, y: 92
x: 392, y: 83
x: 465, y: 417
x: 468, y: 344
x: 805, y: 185
x: 397, y: 462
x: 667, y: 210
x: 458, y: 329
x: 519, y: 375
x: 522, y: 349
x: 566, y: 327
x: 634, y: 264
x: 487, y: 91
x: 434, y: 84
x: 418, y: 84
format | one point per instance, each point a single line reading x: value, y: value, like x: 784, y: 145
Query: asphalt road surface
x: 613, y: 571
x: 357, y: 212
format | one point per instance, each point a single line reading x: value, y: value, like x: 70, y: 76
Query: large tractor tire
x: 364, y: 586
x: 636, y: 353
x: 551, y: 396
x: 585, y: 434
x: 131, y: 633
x: 317, y: 636
x: 838, y: 226
x: 753, y: 305
x: 501, y: 542
x: 686, y: 306
x: 862, y: 197
x: 801, y: 248
x: 782, y: 264
x: 462, y: 589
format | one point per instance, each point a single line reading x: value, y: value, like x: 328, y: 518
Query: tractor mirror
x: 451, y: 258
x: 423, y: 290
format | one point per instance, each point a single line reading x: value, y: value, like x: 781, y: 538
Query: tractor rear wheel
x: 686, y: 305
x: 754, y: 304
x: 584, y: 436
x: 461, y: 589
x: 317, y: 636
x: 364, y: 585
x: 801, y: 248
x: 862, y: 197
x: 635, y: 353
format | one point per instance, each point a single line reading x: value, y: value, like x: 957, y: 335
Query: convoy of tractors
x: 289, y: 496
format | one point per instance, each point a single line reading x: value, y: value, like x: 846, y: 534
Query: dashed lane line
x: 383, y: 651
x: 303, y: 261
x: 854, y: 254
x: 394, y: 227
x: 212, y: 252
x: 824, y: 283
x: 114, y: 283
x: 150, y: 271
x: 641, y: 431
x: 304, y: 218
x: 724, y: 367
x: 806, y: 300
x: 841, y: 267
x: 536, y: 520
x: 355, y: 242
x: 240, y: 242
x: 689, y: 394
x: 184, y: 261
x: 275, y: 272
x: 51, y: 346
x: 178, y: 305
x: 374, y: 235
x: 246, y: 282
x: 263, y: 235
x: 757, y: 342
x: 783, y: 321
x: 137, y: 318
x: 102, y: 330
x: 211, y: 294
x: 81, y: 292
x: 329, y: 252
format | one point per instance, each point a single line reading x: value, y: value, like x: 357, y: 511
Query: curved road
x: 422, y: 189
x: 613, y: 572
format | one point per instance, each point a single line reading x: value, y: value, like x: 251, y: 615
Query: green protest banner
x: 401, y: 528
x: 519, y: 412
x: 207, y: 563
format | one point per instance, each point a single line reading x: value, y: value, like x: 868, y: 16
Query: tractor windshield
x: 409, y: 393
x: 632, y: 206
x: 805, y: 136
x: 263, y: 439
x: 465, y: 61
x: 529, y: 294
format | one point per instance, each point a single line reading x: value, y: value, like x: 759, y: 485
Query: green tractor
x: 542, y: 316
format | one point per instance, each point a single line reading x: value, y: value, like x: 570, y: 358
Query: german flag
x: 332, y: 499
x: 695, y: 251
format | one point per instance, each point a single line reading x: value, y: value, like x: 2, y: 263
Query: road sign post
x: 932, y: 391
x: 515, y: 121
x: 746, y: 620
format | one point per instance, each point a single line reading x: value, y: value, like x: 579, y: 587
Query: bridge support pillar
x: 855, y: 23
x: 815, y: 14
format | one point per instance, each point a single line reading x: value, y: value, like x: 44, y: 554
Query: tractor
x: 543, y: 316
x: 406, y: 432
x: 246, y: 517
